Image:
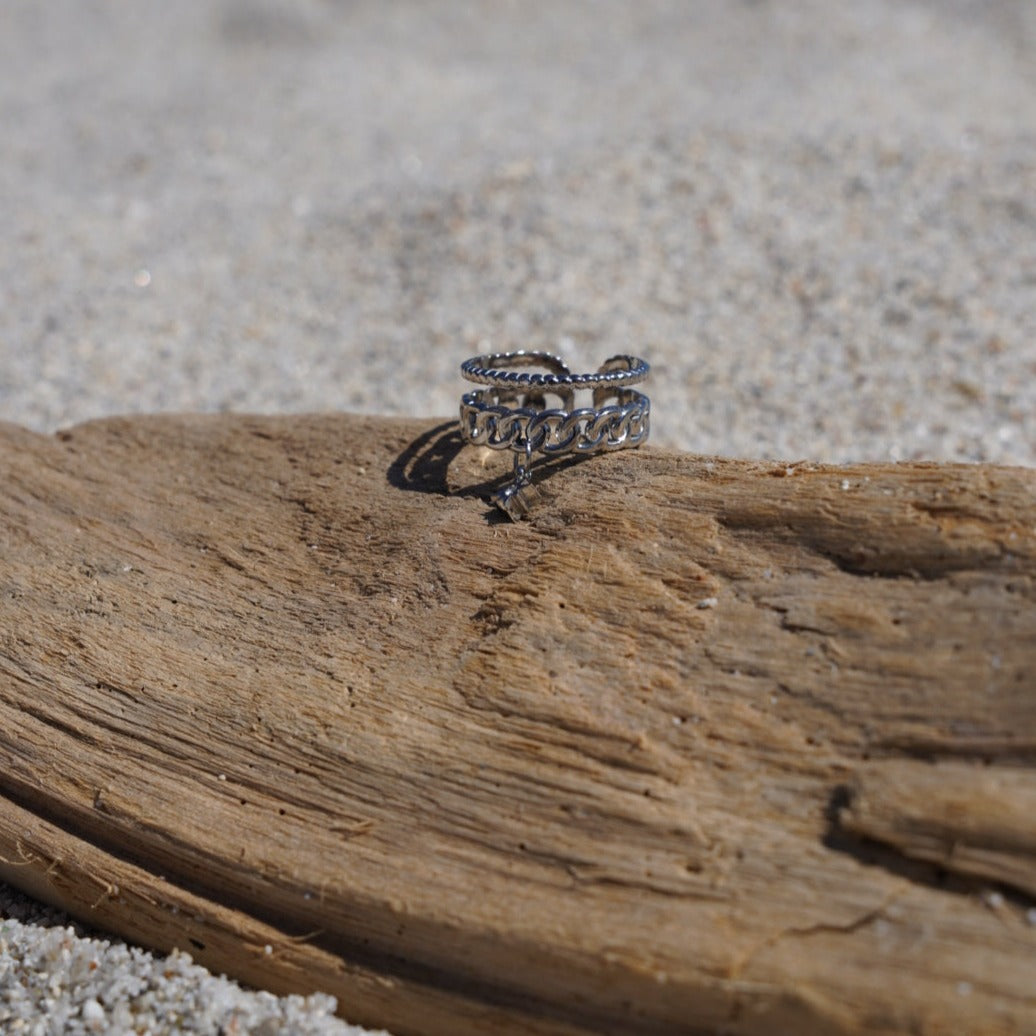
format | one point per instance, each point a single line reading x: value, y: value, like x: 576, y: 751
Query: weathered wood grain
x: 706, y: 746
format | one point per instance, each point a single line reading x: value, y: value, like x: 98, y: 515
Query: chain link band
x: 486, y: 421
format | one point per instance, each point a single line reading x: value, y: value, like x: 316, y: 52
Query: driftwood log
x: 705, y: 746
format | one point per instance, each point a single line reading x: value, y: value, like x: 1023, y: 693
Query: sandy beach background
x: 816, y: 219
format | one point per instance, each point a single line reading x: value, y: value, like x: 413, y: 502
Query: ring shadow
x: 423, y: 464
x: 423, y: 467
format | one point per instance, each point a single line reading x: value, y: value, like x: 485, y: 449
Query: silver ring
x: 497, y: 370
x: 512, y: 413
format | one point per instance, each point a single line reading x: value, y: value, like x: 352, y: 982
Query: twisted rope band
x: 486, y: 421
x: 496, y: 370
